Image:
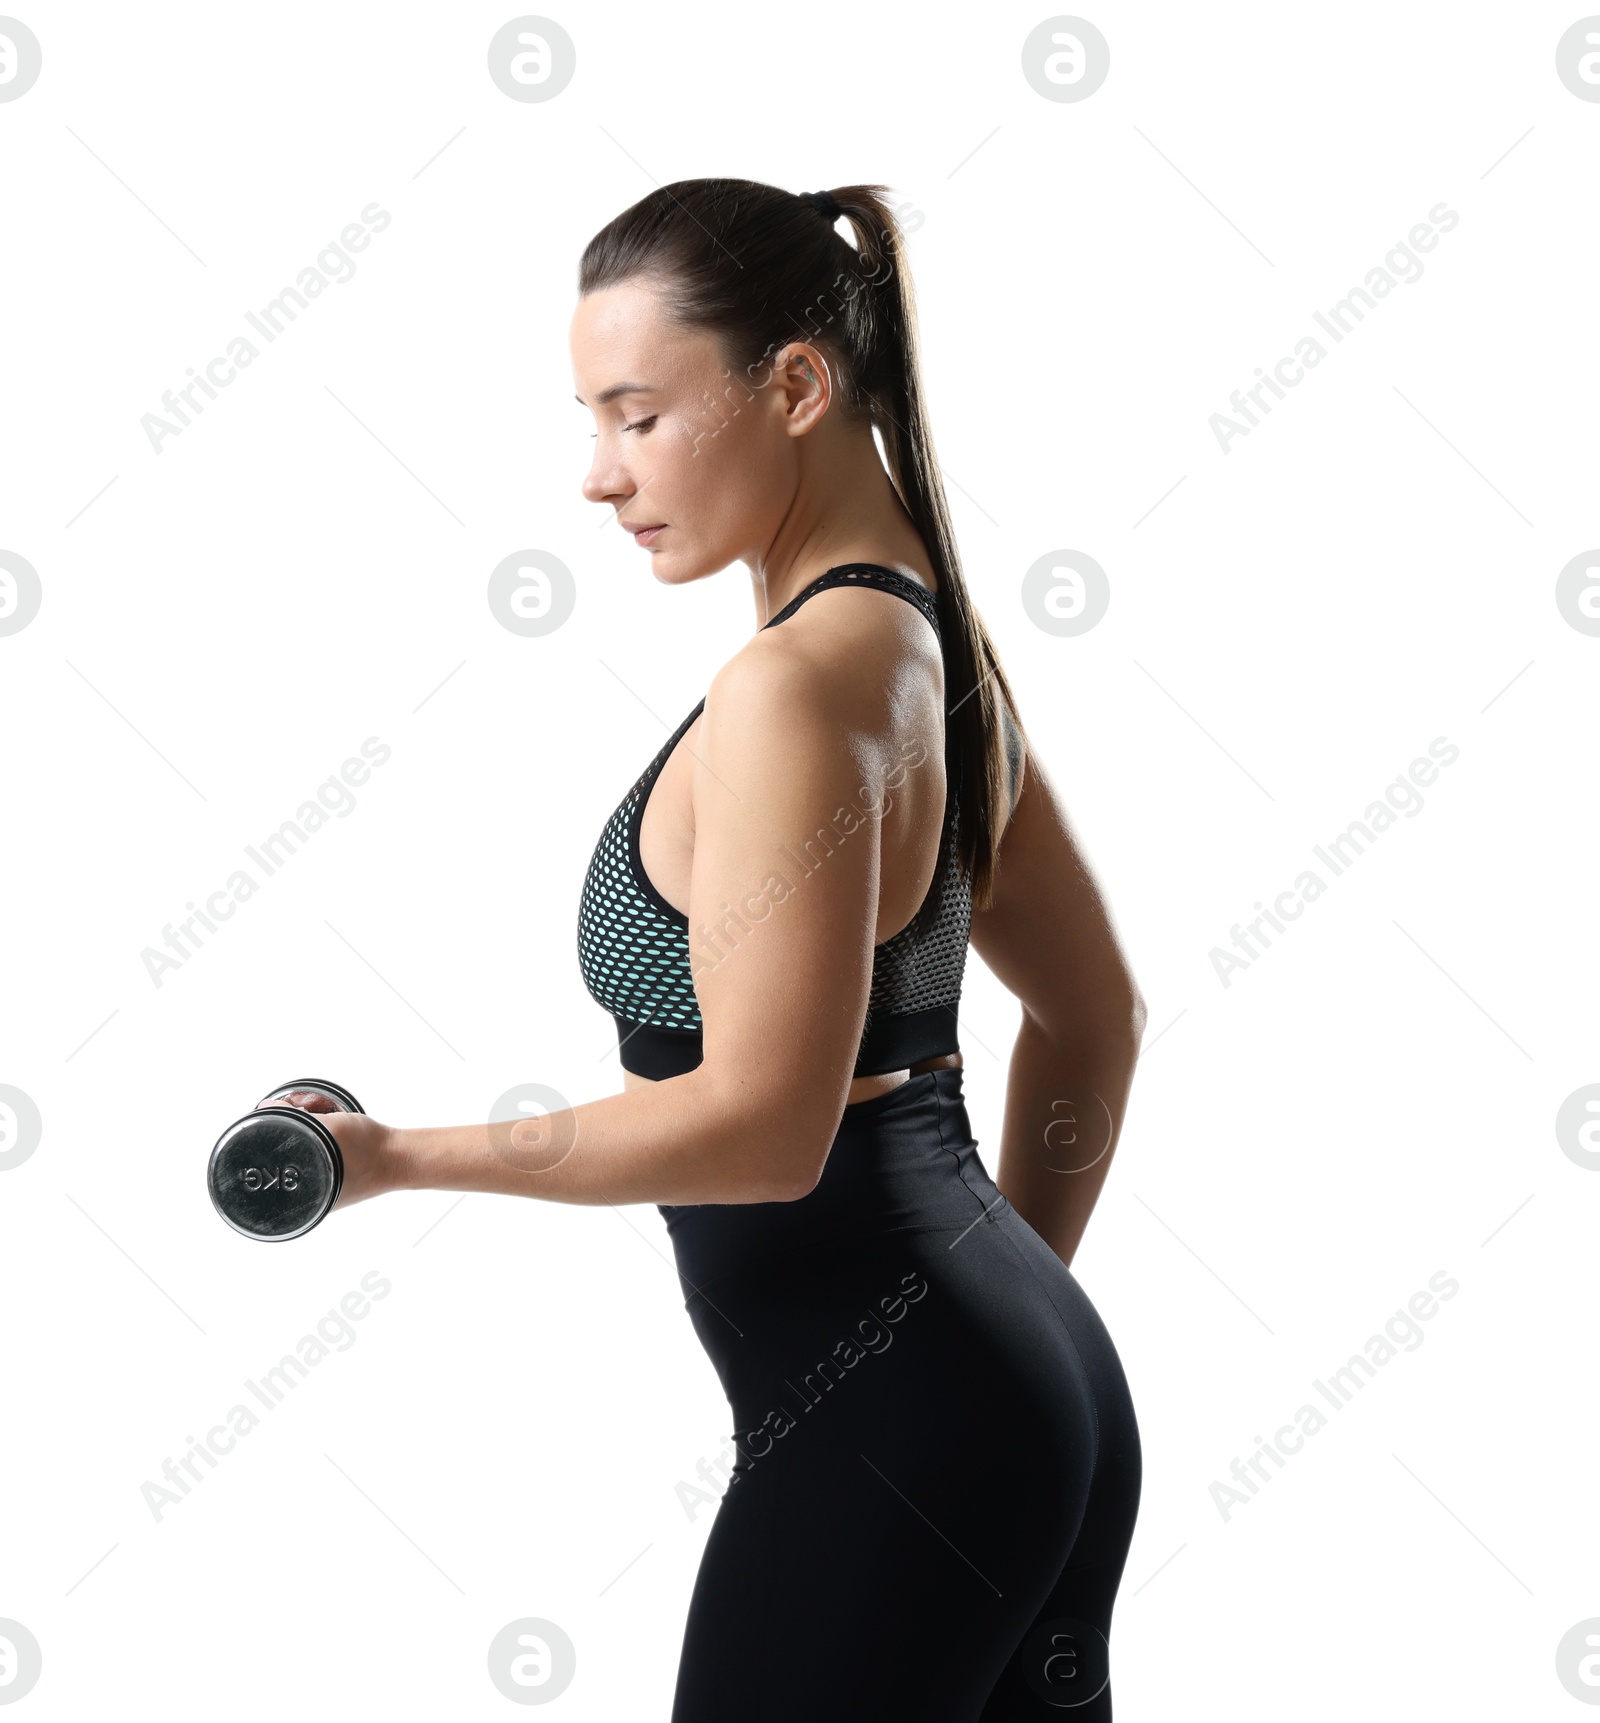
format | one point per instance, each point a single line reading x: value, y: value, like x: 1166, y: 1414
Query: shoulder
x: 848, y: 641
x: 793, y: 715
x: 776, y: 690
x: 835, y: 682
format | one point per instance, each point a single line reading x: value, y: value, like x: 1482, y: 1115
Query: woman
x: 939, y: 1466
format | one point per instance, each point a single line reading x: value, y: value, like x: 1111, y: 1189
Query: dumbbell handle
x: 346, y: 1102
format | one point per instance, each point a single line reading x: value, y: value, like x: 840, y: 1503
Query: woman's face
x: 684, y: 445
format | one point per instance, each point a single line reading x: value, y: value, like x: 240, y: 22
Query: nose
x: 604, y: 481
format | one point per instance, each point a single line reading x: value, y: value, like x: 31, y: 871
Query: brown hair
x: 761, y: 267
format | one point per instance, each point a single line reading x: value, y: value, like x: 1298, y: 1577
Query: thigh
x: 917, y: 1440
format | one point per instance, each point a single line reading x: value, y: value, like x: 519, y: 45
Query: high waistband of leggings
x: 876, y: 1104
x: 903, y: 1160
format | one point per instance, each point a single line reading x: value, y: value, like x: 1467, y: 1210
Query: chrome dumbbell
x: 275, y: 1173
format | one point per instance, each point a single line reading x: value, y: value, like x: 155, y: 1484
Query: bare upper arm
x: 783, y: 895
x: 1049, y: 936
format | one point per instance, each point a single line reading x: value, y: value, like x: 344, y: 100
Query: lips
x: 645, y: 535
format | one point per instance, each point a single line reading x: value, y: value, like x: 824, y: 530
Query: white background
x: 1374, y: 566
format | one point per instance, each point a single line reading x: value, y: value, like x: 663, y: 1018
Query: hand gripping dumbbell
x: 277, y: 1171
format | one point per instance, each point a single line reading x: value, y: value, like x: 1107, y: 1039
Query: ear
x: 806, y: 378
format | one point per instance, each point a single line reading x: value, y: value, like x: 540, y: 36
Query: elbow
x: 1109, y: 1022
x: 763, y: 1172
x: 797, y: 1130
x: 764, y: 1154
x: 772, y: 1139
x: 780, y: 1181
x: 804, y: 1162
x: 775, y: 1170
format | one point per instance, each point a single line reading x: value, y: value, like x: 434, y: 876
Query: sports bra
x: 633, y: 946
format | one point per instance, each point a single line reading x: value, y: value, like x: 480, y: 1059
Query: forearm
x: 1065, y: 1099
x: 684, y: 1140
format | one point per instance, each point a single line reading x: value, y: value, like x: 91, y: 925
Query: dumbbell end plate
x: 275, y: 1173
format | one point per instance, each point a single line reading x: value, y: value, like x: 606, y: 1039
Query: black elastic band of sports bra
x: 889, y: 1044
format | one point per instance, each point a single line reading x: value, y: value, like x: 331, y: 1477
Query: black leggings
x: 938, y: 1463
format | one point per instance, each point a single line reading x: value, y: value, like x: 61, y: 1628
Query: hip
x: 905, y: 1251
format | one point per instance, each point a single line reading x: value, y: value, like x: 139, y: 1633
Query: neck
x: 845, y: 510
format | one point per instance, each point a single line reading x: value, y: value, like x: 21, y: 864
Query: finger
x: 305, y: 1099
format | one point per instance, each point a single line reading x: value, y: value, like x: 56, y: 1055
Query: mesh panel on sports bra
x: 633, y: 946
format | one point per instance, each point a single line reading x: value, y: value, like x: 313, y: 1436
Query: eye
x: 637, y: 425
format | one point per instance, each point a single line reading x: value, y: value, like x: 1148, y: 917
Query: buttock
x: 916, y: 1442
x: 946, y: 1329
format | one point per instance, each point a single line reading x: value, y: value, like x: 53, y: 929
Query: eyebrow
x: 616, y: 389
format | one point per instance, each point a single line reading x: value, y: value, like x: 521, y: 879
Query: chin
x: 670, y: 570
